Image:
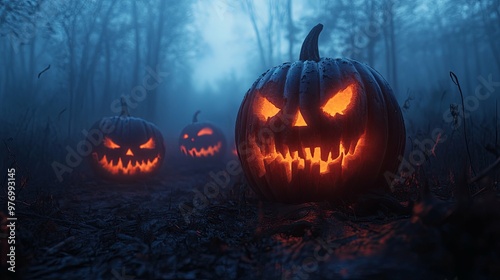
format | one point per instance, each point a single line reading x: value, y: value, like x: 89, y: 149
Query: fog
x: 171, y: 58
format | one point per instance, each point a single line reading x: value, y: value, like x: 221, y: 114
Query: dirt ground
x: 177, y: 228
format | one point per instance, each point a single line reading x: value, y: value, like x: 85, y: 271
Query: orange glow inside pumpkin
x: 132, y: 167
x: 265, y: 109
x: 108, y: 143
x: 202, y: 152
x: 309, y: 158
x: 150, y: 144
x: 338, y: 103
x: 205, y: 131
x: 185, y: 136
x: 299, y: 120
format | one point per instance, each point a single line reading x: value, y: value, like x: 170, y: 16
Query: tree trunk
x: 253, y: 20
x: 491, y: 38
x: 71, y: 34
x: 137, y: 38
x: 105, y: 95
x: 393, y: 49
x: 291, y: 29
x: 372, y: 38
x: 270, y: 32
x: 89, y: 65
x: 387, y: 55
x: 32, y: 71
x: 154, y: 56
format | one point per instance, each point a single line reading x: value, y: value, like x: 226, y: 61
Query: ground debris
x: 108, y: 231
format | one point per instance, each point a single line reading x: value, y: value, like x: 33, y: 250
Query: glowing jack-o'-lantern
x: 130, y: 147
x: 319, y: 129
x: 202, y: 141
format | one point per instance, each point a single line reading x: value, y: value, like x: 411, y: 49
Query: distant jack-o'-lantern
x: 202, y: 141
x: 130, y: 147
x: 319, y: 129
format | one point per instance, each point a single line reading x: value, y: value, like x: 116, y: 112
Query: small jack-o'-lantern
x: 202, y: 141
x: 130, y: 147
x: 319, y: 129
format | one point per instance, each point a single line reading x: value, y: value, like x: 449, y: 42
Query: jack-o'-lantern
x: 202, y: 141
x: 319, y: 129
x: 129, y: 148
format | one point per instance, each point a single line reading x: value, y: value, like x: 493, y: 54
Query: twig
x: 54, y: 248
x: 485, y: 171
x: 454, y: 79
x: 479, y: 192
x: 66, y: 222
x: 46, y: 68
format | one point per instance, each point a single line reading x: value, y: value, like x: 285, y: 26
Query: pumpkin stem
x: 124, y: 112
x: 309, y: 49
x: 195, y: 116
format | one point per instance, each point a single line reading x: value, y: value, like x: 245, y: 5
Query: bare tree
x: 291, y: 29
x: 250, y: 9
x: 268, y: 30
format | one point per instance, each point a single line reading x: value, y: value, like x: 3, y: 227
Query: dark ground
x: 99, y: 230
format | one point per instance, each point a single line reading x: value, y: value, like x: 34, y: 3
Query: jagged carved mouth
x: 313, y: 160
x: 202, y: 152
x: 131, y: 167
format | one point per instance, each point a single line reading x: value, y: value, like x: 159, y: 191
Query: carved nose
x: 129, y: 153
x: 299, y: 120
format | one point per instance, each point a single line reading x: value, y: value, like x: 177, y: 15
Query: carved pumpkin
x: 133, y: 148
x: 318, y: 129
x: 202, y: 141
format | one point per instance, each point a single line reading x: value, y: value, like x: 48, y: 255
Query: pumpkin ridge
x: 265, y: 78
x: 395, y: 147
x: 309, y: 95
x: 291, y: 88
x: 382, y: 129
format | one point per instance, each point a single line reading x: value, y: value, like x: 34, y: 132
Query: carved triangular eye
x: 205, y: 131
x: 299, y: 120
x: 339, y: 102
x: 264, y: 108
x: 150, y: 144
x: 108, y: 143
